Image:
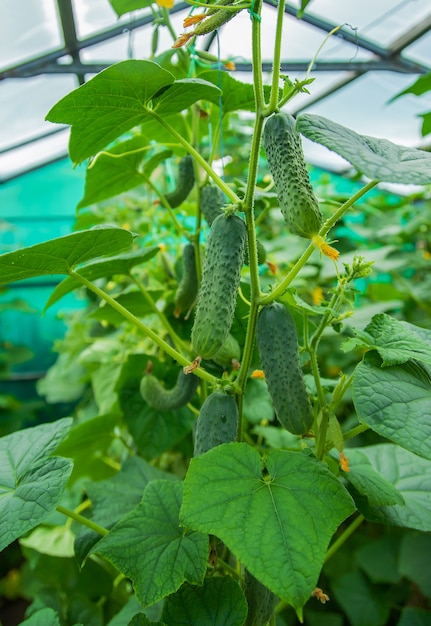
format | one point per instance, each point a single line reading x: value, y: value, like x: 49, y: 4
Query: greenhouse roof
x: 53, y: 46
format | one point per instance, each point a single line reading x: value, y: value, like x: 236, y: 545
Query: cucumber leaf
x: 275, y: 514
x: 61, y: 255
x: 395, y: 402
x: 111, y: 266
x: 219, y: 602
x: 168, y: 553
x: 395, y: 341
x: 411, y: 476
x: 376, y: 158
x: 32, y: 481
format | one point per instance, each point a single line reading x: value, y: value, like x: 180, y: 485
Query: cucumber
x: 162, y: 399
x: 211, y: 23
x: 283, y: 147
x: 277, y: 343
x: 228, y: 352
x: 261, y: 253
x: 261, y: 601
x: 188, y: 286
x: 219, y: 287
x: 211, y: 202
x: 217, y: 422
x: 185, y: 182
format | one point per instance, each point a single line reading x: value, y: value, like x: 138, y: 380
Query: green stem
x: 256, y: 59
x: 165, y: 204
x: 354, y: 432
x: 283, y: 286
x: 344, y: 536
x: 273, y: 101
x: 177, y: 356
x: 195, y: 154
x: 162, y: 317
x: 83, y: 520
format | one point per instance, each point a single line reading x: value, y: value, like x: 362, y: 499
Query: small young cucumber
x: 215, y: 19
x: 162, y: 399
x: 287, y: 165
x: 261, y: 601
x: 277, y: 343
x: 217, y: 422
x: 219, y: 287
x: 229, y: 351
x: 185, y: 182
x: 211, y: 202
x: 261, y: 253
x: 188, y: 286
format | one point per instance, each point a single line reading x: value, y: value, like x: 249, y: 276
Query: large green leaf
x: 168, y: 554
x: 275, y: 514
x: 412, y: 616
x: 108, y: 105
x: 44, y: 617
x: 379, y: 559
x: 112, y: 266
x: 395, y: 402
x: 362, y: 602
x: 414, y: 560
x: 126, y: 6
x: 362, y: 475
x: 411, y: 476
x: 236, y: 95
x: 61, y: 255
x: 395, y: 341
x: 182, y: 94
x: 32, y: 481
x: 113, y: 498
x: 376, y: 158
x: 219, y: 602
x: 122, y: 167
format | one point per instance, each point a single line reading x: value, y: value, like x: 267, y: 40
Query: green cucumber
x: 188, y: 286
x: 214, y: 21
x: 277, y: 343
x: 162, y: 399
x: 219, y: 287
x: 283, y: 147
x: 211, y: 202
x: 217, y: 422
x: 229, y: 351
x: 261, y: 253
x: 261, y: 601
x: 185, y: 182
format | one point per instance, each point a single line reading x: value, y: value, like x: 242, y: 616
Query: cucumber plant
x: 229, y: 491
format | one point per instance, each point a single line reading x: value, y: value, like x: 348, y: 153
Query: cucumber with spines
x: 162, y: 399
x: 221, y: 276
x: 261, y: 601
x: 277, y: 343
x: 188, y: 286
x: 184, y: 184
x: 283, y: 147
x: 211, y: 202
x: 217, y: 422
x: 230, y: 351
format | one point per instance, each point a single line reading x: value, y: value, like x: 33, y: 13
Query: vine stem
x: 82, y: 520
x: 177, y: 341
x: 177, y: 356
x: 273, y: 101
x: 348, y: 532
x: 282, y: 287
x: 354, y: 432
x: 195, y: 154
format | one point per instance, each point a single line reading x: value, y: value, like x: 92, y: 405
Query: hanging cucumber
x: 187, y: 290
x: 215, y: 19
x: 211, y: 202
x: 277, y: 343
x: 283, y: 147
x: 229, y: 352
x: 219, y: 287
x: 261, y: 253
x: 261, y: 601
x: 162, y: 399
x: 185, y: 182
x: 217, y: 422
